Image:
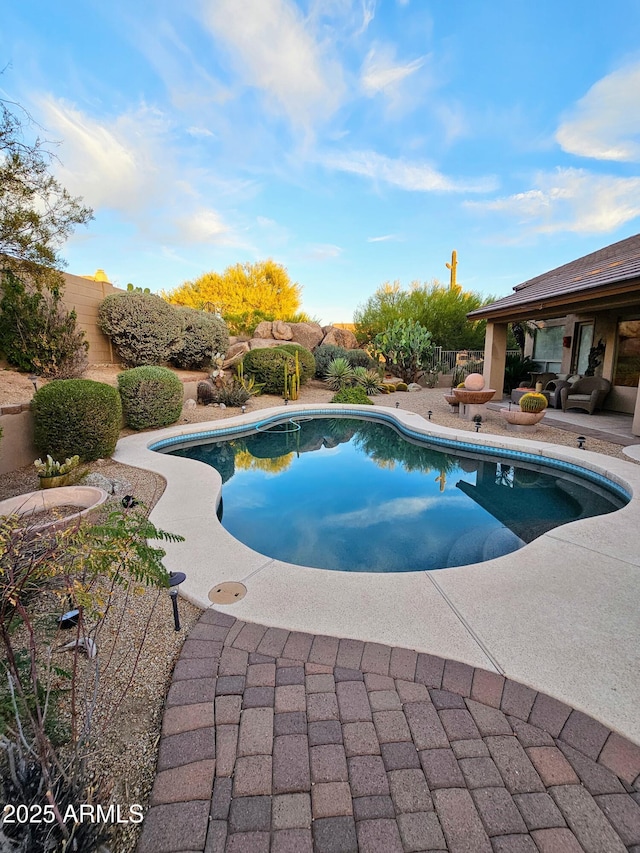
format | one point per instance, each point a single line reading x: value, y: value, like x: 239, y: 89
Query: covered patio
x: 589, y: 303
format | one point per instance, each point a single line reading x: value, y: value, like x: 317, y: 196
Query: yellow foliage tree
x: 243, y: 295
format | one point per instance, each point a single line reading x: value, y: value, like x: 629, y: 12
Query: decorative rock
x: 340, y: 338
x: 263, y: 329
x: 235, y: 354
x: 281, y: 331
x: 413, y: 386
x: 307, y: 335
x: 474, y: 382
x: 190, y: 403
x: 263, y: 343
x: 110, y: 486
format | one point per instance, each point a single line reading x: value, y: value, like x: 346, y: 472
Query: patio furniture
x: 553, y: 388
x: 587, y: 393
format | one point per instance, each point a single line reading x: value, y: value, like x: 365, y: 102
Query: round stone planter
x: 518, y: 418
x: 451, y: 400
x: 85, y: 498
x: 473, y: 398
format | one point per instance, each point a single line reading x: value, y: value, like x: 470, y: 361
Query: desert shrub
x: 37, y: 333
x: 76, y: 416
x: 351, y: 395
x: 268, y: 367
x: 324, y: 355
x: 305, y: 359
x: 368, y: 379
x: 143, y: 327
x: 203, y: 335
x: 359, y: 358
x: 151, y: 396
x: 339, y: 374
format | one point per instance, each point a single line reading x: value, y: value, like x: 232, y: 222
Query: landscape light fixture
x: 429, y: 413
x: 175, y: 579
x: 477, y: 419
x: 581, y: 442
x: 34, y: 380
x: 244, y: 409
x: 286, y: 401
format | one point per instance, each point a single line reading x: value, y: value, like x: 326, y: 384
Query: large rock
x: 235, y: 354
x: 340, y: 338
x: 307, y: 335
x: 263, y: 343
x: 263, y: 330
x: 281, y: 331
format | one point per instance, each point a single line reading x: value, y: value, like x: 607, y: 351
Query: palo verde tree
x: 243, y: 295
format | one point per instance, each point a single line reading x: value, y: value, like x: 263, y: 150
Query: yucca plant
x: 368, y: 379
x: 339, y: 374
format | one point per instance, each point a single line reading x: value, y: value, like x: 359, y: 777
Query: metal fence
x: 465, y: 361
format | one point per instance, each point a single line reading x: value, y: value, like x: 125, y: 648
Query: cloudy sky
x: 353, y: 141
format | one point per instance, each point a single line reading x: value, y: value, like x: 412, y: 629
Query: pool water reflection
x: 355, y: 495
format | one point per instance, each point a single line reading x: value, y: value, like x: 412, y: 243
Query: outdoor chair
x: 553, y: 388
x: 587, y: 394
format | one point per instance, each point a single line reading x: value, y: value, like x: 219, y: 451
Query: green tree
x: 36, y: 213
x: 439, y: 308
x: 243, y: 295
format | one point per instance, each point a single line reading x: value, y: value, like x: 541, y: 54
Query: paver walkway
x: 291, y: 743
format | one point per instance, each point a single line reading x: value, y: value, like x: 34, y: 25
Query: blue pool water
x: 355, y: 495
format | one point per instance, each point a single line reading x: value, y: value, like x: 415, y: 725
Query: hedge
x: 151, y: 397
x: 143, y: 328
x: 203, y: 335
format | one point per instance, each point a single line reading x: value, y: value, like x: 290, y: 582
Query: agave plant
x: 368, y: 379
x: 339, y: 374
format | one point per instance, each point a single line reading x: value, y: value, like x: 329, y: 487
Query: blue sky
x: 353, y: 141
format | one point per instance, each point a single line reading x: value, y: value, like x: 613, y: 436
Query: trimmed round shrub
x: 351, y: 395
x: 76, y: 416
x: 267, y: 366
x: 203, y: 335
x: 306, y: 360
x: 143, y: 328
x: 324, y: 355
x: 151, y: 397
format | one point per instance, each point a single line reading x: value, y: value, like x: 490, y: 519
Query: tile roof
x: 616, y: 263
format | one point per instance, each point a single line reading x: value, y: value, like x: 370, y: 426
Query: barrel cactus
x: 533, y: 402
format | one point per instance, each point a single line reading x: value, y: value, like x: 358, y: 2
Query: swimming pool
x: 367, y: 496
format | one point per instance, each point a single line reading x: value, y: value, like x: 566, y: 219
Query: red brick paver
x: 285, y: 742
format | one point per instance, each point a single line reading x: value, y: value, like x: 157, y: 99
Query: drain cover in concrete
x: 227, y: 593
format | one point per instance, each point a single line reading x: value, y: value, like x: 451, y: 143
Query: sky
x: 353, y: 141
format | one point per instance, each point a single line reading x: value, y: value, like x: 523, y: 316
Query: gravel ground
x: 127, y: 752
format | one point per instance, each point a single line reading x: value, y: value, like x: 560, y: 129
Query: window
x: 547, y: 348
x: 627, y: 369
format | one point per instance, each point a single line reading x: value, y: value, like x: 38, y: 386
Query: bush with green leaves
x: 339, y: 374
x: 305, y: 359
x: 143, y: 328
x: 151, y: 397
x: 407, y: 348
x: 324, y: 355
x: 203, y: 335
x: 76, y: 417
x: 268, y: 365
x: 359, y: 358
x: 37, y: 333
x: 351, y: 395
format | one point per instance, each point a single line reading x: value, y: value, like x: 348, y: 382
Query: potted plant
x: 530, y: 413
x: 52, y: 473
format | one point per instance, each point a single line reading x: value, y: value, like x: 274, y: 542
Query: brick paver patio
x: 291, y: 743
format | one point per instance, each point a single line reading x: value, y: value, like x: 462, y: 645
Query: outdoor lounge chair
x: 587, y: 393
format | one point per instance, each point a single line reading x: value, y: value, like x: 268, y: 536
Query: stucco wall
x: 84, y: 296
x: 16, y: 444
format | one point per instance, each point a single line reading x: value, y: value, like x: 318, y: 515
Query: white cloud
x: 204, y: 225
x: 605, y: 123
x: 323, y: 251
x: 415, y: 177
x: 273, y: 50
x: 381, y: 73
x: 383, y: 239
x: 199, y: 131
x: 368, y: 14
x: 401, y: 508
x: 570, y: 200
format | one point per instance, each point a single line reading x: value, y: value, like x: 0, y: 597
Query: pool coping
x: 543, y: 616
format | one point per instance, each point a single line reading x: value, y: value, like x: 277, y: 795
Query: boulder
x: 262, y: 343
x: 307, y: 335
x: 235, y: 354
x: 190, y: 403
x: 340, y: 338
x: 263, y: 329
x: 281, y: 331
x: 110, y: 485
x: 413, y: 386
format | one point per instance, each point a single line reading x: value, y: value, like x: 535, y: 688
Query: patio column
x: 495, y: 354
x: 635, y: 427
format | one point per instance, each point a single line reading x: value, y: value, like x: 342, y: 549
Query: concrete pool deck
x: 562, y: 615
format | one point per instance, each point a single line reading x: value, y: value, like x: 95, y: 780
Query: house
x: 592, y: 301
